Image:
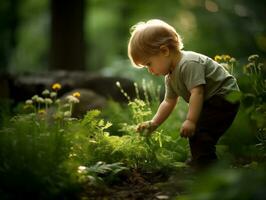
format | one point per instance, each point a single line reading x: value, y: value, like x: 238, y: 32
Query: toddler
x: 199, y: 80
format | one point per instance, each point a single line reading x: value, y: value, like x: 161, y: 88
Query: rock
x: 89, y: 100
x: 23, y: 86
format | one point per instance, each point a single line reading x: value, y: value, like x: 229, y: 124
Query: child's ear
x: 164, y: 50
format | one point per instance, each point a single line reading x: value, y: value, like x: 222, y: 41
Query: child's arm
x: 195, y: 106
x: 164, y: 110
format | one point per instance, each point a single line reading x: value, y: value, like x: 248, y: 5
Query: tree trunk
x: 67, y: 35
x: 9, y: 20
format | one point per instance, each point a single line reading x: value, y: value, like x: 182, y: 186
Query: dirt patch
x: 136, y: 186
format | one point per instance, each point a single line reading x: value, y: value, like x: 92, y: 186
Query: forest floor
x: 161, y: 185
x: 135, y: 185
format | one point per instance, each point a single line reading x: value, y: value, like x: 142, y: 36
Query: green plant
x: 251, y: 117
x: 254, y: 99
x: 158, y: 150
x: 63, y: 110
x: 29, y: 140
x: 101, y: 173
x: 40, y: 158
x: 34, y: 160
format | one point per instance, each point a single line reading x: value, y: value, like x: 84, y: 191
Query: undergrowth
x: 47, y: 154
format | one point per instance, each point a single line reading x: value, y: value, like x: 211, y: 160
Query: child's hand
x: 188, y: 129
x: 146, y: 127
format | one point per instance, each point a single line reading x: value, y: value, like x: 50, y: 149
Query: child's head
x: 147, y: 38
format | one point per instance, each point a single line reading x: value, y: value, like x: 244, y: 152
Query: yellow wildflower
x: 226, y: 58
x: 218, y: 58
x: 76, y: 94
x: 56, y: 86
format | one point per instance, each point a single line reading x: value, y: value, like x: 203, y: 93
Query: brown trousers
x: 216, y: 117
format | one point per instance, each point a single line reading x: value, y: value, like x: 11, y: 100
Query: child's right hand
x: 146, y: 127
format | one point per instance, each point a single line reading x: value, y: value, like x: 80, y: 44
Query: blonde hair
x: 147, y: 38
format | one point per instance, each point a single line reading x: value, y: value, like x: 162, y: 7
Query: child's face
x: 159, y: 64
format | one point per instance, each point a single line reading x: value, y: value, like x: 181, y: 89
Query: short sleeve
x: 193, y: 74
x: 169, y: 92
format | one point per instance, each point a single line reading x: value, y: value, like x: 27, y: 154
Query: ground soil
x: 137, y: 185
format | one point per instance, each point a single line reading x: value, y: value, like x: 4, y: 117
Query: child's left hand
x: 188, y: 129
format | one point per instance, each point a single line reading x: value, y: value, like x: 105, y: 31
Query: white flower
x: 66, y: 105
x: 57, y: 101
x: 35, y: 97
x: 45, y: 92
x: 67, y: 114
x: 81, y: 169
x: 72, y: 99
x: 253, y: 57
x: 48, y: 101
x: 40, y: 100
x: 29, y: 102
x: 232, y: 60
x: 53, y: 94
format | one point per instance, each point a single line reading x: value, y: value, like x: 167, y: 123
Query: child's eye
x: 148, y: 64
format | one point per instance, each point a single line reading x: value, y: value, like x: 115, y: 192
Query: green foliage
x: 219, y: 183
x: 34, y: 160
x: 255, y: 98
x: 48, y: 154
x: 30, y: 25
x: 25, y: 30
x: 84, y: 136
x: 5, y: 111
x: 156, y: 151
x: 101, y: 173
x: 251, y: 117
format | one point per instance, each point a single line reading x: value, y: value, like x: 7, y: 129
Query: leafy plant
x: 156, y: 151
x: 101, y: 173
x: 251, y: 80
x: 40, y: 158
x: 34, y: 160
x: 254, y: 99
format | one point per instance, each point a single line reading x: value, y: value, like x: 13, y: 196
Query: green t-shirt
x: 196, y: 69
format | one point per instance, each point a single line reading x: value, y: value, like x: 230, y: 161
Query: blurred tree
x: 67, y: 36
x: 207, y: 26
x: 226, y: 26
x: 32, y: 37
x: 8, y: 25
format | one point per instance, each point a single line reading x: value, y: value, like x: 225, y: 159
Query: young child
x: 198, y: 79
